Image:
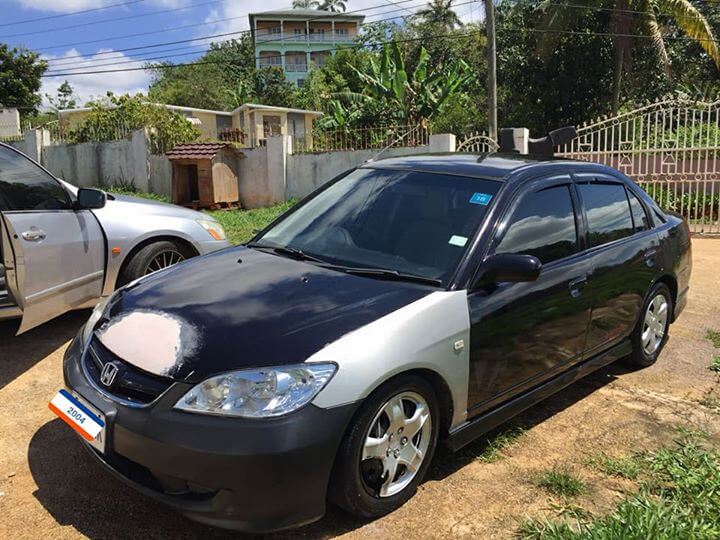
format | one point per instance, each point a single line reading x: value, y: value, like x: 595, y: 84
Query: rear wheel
x: 154, y: 257
x: 388, y: 449
x: 651, y: 332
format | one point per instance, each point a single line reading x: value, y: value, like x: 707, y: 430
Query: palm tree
x: 305, y: 4
x: 628, y: 19
x: 333, y: 5
x: 440, y: 12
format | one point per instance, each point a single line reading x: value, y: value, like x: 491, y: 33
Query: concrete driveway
x: 49, y: 487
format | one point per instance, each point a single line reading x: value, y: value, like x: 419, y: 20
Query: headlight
x: 212, y: 227
x: 258, y: 393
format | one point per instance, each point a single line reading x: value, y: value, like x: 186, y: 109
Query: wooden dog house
x: 205, y: 175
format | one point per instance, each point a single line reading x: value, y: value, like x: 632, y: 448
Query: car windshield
x: 406, y: 222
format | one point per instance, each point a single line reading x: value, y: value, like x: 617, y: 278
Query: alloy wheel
x: 654, y: 324
x: 396, y: 444
x: 163, y: 260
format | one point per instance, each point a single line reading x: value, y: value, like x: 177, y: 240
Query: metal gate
x: 670, y: 148
x: 477, y: 143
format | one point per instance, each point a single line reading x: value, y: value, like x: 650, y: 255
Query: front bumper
x: 208, y: 246
x: 244, y: 474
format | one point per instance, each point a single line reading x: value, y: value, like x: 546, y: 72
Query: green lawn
x: 238, y: 224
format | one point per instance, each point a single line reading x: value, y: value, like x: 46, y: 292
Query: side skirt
x: 471, y: 430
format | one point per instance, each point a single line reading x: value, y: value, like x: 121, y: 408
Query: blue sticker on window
x: 480, y: 198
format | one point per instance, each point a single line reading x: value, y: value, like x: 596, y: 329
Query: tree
x: 417, y: 95
x: 20, y: 73
x: 440, y: 12
x: 119, y: 116
x: 333, y: 5
x: 629, y: 18
x: 305, y: 4
x: 64, y: 98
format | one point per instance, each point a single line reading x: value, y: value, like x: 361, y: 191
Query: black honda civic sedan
x: 411, y: 302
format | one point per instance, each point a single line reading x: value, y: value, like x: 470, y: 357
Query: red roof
x: 198, y: 150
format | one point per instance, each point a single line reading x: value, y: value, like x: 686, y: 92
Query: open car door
x: 58, y: 253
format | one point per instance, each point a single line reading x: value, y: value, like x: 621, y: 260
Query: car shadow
x: 77, y: 492
x: 20, y: 353
x: 446, y: 462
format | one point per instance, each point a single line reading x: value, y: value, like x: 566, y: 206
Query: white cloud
x: 93, y: 86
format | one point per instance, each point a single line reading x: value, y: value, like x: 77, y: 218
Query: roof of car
x: 490, y: 166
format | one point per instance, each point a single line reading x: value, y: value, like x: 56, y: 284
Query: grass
x: 492, y: 451
x: 239, y: 225
x: 622, y: 467
x: 679, y: 497
x: 714, y: 337
x: 715, y: 365
x: 562, y: 483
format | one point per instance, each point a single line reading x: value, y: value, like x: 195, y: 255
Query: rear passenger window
x: 542, y: 225
x: 608, y: 212
x: 640, y: 219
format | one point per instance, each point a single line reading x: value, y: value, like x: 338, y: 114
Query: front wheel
x: 651, y: 333
x: 153, y: 258
x: 387, y: 451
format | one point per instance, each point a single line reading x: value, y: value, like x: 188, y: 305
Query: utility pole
x: 492, y: 72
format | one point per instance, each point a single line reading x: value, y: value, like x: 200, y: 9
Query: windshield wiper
x: 295, y: 253
x: 385, y: 273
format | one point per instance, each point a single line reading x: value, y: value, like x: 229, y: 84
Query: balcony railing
x: 295, y: 68
x: 265, y: 62
x: 263, y: 36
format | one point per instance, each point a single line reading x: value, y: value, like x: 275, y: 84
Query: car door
x: 622, y: 248
x: 523, y: 333
x: 58, y: 254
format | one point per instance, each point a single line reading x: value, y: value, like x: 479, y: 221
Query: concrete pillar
x: 140, y: 173
x: 443, y: 142
x: 277, y: 152
x: 34, y: 144
x: 514, y: 140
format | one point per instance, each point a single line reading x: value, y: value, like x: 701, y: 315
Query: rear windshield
x: 410, y: 222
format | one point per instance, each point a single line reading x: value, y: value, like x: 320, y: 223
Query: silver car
x: 63, y: 248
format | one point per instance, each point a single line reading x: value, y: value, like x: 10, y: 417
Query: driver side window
x: 542, y: 225
x: 25, y: 186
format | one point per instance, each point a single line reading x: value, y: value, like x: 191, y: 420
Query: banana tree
x: 414, y: 96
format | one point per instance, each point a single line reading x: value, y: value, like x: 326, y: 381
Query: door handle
x: 34, y: 235
x: 649, y: 255
x: 577, y: 285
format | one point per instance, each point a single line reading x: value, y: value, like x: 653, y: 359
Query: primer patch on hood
x: 155, y: 342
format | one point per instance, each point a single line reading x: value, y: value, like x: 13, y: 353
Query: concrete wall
x: 252, y: 179
x: 307, y: 172
x: 95, y: 164
x: 160, y: 179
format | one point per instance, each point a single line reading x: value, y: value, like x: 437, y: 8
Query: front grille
x: 130, y: 384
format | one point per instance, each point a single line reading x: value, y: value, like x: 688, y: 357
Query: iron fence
x: 477, y: 143
x: 670, y: 148
x: 370, y: 138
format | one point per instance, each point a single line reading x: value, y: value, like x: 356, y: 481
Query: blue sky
x: 74, y: 41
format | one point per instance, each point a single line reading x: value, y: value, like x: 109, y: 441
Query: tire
x: 359, y: 486
x: 651, y: 332
x: 144, y: 261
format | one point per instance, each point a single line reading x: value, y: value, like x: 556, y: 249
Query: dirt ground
x: 49, y: 487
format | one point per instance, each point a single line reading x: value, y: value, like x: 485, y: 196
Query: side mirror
x: 508, y: 268
x: 90, y: 199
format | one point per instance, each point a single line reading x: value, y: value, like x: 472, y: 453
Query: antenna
x: 392, y: 143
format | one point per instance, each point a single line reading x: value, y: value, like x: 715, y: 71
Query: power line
x: 407, y: 40
x: 326, y: 15
x: 83, y: 64
x: 113, y: 20
x: 81, y: 12
x: 59, y: 64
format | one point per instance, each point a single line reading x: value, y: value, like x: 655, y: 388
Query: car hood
x: 138, y: 206
x: 241, y: 308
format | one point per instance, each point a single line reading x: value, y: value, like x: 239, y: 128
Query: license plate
x: 81, y: 416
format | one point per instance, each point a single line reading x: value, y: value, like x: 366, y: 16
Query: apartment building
x: 296, y: 39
